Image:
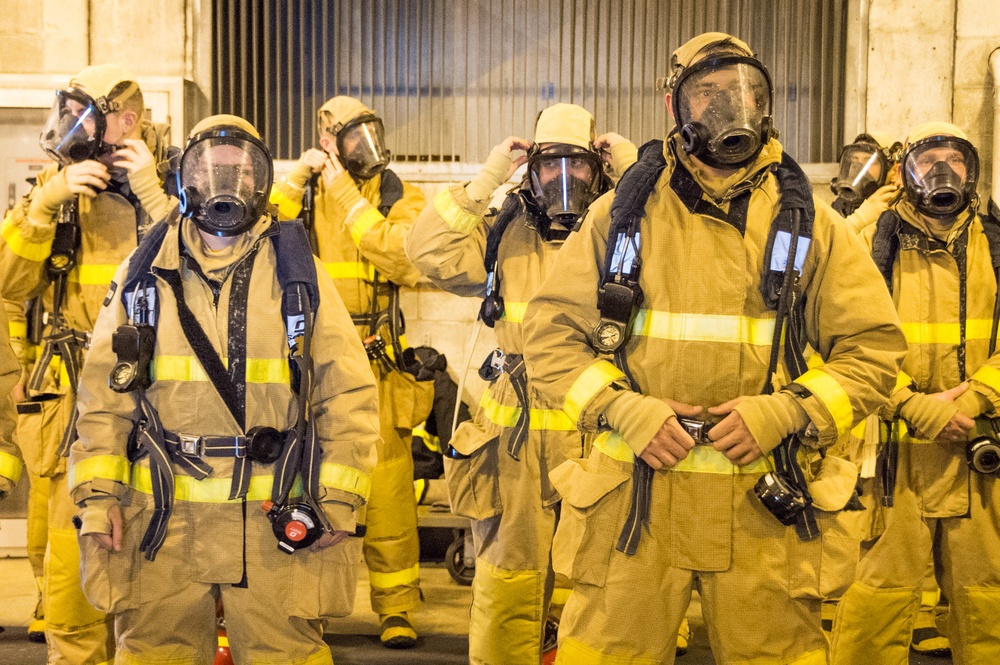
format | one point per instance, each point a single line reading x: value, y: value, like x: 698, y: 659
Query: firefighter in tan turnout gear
x: 64, y: 241
x: 656, y: 330
x: 359, y: 212
x: 498, y: 471
x: 940, y: 259
x: 10, y: 370
x: 228, y: 422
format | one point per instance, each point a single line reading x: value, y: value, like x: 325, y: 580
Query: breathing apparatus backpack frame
x: 390, y: 193
x: 296, y: 273
x: 619, y: 297
x: 885, y: 249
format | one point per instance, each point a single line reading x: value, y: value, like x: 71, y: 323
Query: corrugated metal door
x: 451, y: 79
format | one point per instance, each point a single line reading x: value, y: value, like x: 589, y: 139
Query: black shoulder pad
x: 141, y: 264
x: 390, y: 191
x: 637, y: 183
x: 885, y: 244
x: 991, y: 228
x: 294, y: 259
x: 796, y: 192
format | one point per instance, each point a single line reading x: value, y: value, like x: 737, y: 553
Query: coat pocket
x: 324, y: 583
x: 110, y: 579
x: 41, y: 423
x: 473, y: 483
x: 408, y: 400
x: 592, y: 514
x: 823, y: 568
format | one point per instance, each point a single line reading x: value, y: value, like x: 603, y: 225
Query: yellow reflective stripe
x: 683, y: 327
x: 287, y: 208
x: 539, y: 419
x: 93, y: 274
x: 268, y: 370
x: 10, y: 466
x: 350, y: 270
x: 903, y: 380
x: 188, y: 368
x: 613, y: 445
x: 419, y: 486
x: 988, y: 376
x: 560, y: 596
x: 453, y: 215
x: 177, y: 368
x: 210, y: 490
x: 588, y: 384
x: 903, y: 435
x: 108, y: 467
x: 859, y: 430
x: 700, y: 459
x: 399, y: 578
x: 345, y: 478
x: 946, y: 333
x: 224, y: 641
x: 495, y: 412
x: 19, y: 245
x: 514, y: 311
x: 17, y: 329
x: 364, y: 223
x: 832, y: 395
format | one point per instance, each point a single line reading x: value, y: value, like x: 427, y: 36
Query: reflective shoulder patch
x: 112, y: 288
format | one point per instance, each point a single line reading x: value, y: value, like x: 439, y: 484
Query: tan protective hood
x: 566, y: 123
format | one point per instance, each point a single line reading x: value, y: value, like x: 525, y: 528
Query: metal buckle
x: 697, y: 429
x: 191, y: 445
x: 240, y: 451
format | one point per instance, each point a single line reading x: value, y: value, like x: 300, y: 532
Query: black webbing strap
x: 492, y: 307
x: 886, y: 462
x: 149, y: 436
x: 516, y: 371
x: 238, y: 298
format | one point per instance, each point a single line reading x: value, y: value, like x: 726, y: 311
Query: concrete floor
x: 442, y: 624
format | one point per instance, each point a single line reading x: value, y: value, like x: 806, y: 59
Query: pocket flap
x: 469, y: 438
x: 581, y: 488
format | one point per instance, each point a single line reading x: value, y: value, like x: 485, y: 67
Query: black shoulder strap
x: 492, y: 307
x: 390, y: 191
x: 991, y: 228
x: 795, y: 195
x: 885, y: 244
x: 618, y: 293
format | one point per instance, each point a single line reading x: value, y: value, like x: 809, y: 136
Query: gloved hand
x: 499, y: 167
x: 872, y: 207
x: 937, y: 416
x: 754, y: 426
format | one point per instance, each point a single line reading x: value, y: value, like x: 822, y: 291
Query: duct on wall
x: 995, y: 71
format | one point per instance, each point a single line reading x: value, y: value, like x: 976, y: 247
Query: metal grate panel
x: 452, y: 79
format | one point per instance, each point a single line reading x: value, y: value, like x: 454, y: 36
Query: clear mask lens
x: 940, y: 176
x: 362, y: 149
x: 74, y: 129
x: 862, y: 171
x: 563, y: 185
x: 226, y: 181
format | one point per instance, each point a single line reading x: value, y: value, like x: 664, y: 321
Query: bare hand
x: 135, y: 156
x: 671, y: 443
x: 958, y: 428
x: 328, y: 540
x: 314, y: 159
x: 20, y: 390
x: 332, y: 169
x: 605, y: 142
x: 87, y: 178
x: 509, y: 145
x: 731, y: 436
x: 113, y: 541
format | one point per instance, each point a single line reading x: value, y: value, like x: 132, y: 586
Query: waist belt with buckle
x: 512, y: 364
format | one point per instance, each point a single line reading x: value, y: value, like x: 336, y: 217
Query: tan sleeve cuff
x: 345, y: 192
x: 47, y: 199
x: 623, y: 155
x: 491, y: 177
x: 972, y: 404
x: 340, y: 515
x: 299, y: 175
x: 928, y: 414
x: 146, y: 184
x: 770, y: 418
x: 637, y: 418
x: 94, y: 515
